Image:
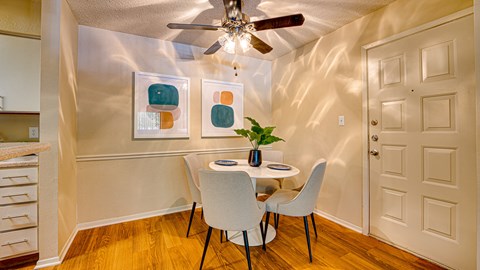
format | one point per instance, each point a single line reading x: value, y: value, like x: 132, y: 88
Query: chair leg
x: 263, y: 235
x: 277, y: 220
x: 247, y: 249
x: 221, y: 236
x: 266, y: 228
x: 191, y: 217
x: 307, y: 234
x: 206, y: 246
x: 201, y: 216
x: 314, y: 226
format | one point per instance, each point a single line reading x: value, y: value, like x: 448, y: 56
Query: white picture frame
x: 222, y: 108
x: 161, y: 106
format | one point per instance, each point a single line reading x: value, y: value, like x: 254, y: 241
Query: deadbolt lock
x: 374, y: 122
x: 374, y: 138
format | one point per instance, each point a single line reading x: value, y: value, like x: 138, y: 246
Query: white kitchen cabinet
x: 20, y: 73
x: 18, y: 211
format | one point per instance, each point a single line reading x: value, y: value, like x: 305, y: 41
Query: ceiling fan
x: 237, y: 27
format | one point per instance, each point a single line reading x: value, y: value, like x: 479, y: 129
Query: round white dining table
x: 254, y: 235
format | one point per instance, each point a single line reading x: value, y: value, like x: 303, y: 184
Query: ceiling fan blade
x: 213, y: 49
x: 259, y: 45
x: 279, y: 22
x: 193, y: 26
x: 233, y: 9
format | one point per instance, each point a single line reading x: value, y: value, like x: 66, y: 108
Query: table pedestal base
x: 254, y: 236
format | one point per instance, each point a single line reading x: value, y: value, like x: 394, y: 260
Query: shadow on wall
x: 318, y: 85
x: 105, y: 65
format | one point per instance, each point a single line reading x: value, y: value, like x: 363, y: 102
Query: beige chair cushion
x: 283, y: 195
x: 299, y: 204
x: 229, y: 201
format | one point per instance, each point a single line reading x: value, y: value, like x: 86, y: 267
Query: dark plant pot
x: 255, y: 158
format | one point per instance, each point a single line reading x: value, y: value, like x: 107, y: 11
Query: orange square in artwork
x: 166, y: 120
x: 226, y: 98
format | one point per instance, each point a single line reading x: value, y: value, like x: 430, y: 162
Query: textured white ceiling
x: 149, y: 18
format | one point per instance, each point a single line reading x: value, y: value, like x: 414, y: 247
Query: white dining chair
x: 229, y: 204
x: 299, y: 204
x: 192, y: 165
x: 268, y: 185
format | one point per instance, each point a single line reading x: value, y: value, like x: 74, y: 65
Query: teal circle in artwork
x: 222, y: 116
x: 163, y: 94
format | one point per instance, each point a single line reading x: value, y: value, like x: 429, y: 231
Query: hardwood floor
x: 160, y: 243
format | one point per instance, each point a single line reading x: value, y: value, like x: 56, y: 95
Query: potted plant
x: 257, y: 136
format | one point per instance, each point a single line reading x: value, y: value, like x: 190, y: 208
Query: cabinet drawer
x: 18, y: 216
x: 18, y: 194
x: 18, y: 242
x: 20, y: 176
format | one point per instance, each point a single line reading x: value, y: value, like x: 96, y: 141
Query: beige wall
x: 14, y: 127
x: 57, y: 184
x: 20, y: 17
x: 67, y: 138
x: 106, y: 62
x: 315, y: 84
x: 49, y: 104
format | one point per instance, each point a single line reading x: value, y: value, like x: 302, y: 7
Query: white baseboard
x: 67, y: 245
x: 47, y: 262
x: 339, y: 221
x: 111, y: 221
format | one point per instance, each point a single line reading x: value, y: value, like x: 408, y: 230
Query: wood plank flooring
x: 160, y: 243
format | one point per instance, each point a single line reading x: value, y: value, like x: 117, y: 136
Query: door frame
x: 365, y: 106
x: 476, y: 20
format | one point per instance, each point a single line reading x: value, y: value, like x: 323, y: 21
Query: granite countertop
x: 14, y: 150
x: 23, y: 161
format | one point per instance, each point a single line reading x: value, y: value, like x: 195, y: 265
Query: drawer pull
x: 21, y: 216
x: 15, y: 195
x: 14, y: 243
x: 18, y: 176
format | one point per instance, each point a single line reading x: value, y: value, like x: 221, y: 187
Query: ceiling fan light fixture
x: 229, y: 47
x: 244, y: 41
x: 228, y: 42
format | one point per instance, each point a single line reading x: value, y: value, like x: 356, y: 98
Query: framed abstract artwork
x: 161, y: 106
x: 222, y: 108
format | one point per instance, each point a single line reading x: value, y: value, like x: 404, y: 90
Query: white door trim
x: 477, y: 83
x: 365, y: 119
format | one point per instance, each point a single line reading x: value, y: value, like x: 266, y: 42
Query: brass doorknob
x: 374, y: 152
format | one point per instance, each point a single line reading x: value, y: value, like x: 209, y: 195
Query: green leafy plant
x: 258, y: 135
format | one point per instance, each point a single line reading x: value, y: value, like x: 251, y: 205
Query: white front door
x: 422, y: 109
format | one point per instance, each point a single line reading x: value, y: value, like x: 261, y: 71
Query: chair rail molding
x: 87, y: 158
